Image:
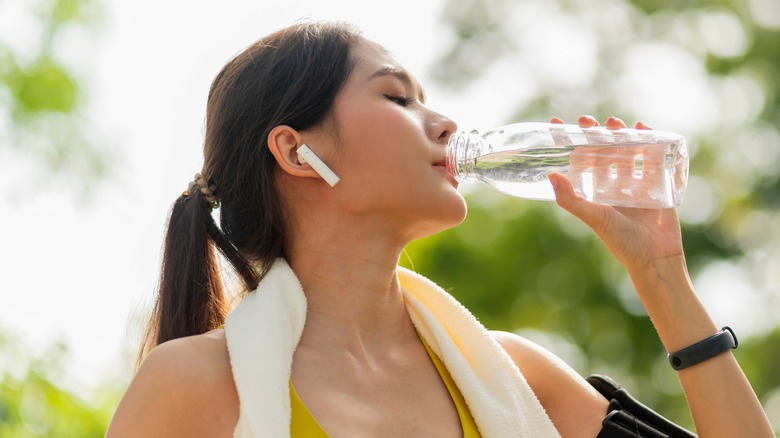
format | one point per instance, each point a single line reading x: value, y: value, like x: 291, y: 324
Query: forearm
x: 721, y: 399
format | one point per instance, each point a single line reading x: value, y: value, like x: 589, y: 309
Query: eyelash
x: 403, y: 101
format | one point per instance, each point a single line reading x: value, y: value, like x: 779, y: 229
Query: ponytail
x: 191, y: 298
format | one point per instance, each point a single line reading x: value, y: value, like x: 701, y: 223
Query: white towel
x: 264, y: 329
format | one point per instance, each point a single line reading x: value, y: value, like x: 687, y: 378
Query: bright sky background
x: 152, y: 65
x: 80, y: 272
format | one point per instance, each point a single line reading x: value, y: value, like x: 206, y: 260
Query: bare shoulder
x: 573, y: 405
x: 184, y: 387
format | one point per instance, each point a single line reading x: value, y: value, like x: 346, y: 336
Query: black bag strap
x: 629, y: 418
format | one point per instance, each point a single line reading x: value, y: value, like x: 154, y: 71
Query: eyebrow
x: 402, y: 76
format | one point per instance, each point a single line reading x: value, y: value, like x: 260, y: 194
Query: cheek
x: 375, y: 171
x: 373, y: 119
x: 379, y: 147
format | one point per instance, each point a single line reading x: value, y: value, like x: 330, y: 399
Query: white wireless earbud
x: 306, y: 155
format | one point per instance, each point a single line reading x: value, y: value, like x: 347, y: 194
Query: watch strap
x: 701, y: 351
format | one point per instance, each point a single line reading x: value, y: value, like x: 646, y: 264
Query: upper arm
x: 181, y: 389
x: 575, y: 408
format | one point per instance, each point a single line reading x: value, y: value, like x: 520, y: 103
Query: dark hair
x: 290, y: 77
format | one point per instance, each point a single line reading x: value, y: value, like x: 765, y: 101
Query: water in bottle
x: 625, y: 167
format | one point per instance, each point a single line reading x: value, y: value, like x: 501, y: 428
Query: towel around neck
x: 264, y: 329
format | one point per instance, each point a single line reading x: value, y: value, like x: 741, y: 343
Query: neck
x: 354, y: 298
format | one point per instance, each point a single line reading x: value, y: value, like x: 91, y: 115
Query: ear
x: 283, y: 141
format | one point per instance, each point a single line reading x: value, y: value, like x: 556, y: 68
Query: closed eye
x: 400, y: 100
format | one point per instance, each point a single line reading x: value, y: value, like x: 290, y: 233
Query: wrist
x: 667, y: 293
x: 706, y: 349
x: 663, y: 270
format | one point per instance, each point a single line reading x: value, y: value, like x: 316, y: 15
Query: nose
x: 441, y: 127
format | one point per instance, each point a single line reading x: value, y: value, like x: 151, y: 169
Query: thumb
x: 593, y: 215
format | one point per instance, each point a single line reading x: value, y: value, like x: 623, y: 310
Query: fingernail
x: 587, y: 121
x: 615, y: 123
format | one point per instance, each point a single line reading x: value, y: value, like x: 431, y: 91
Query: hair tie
x: 207, y: 191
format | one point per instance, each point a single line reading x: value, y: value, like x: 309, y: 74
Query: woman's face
x: 389, y: 150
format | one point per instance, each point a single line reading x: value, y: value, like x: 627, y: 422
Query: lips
x: 441, y: 166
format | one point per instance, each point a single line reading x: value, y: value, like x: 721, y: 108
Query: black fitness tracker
x: 715, y: 345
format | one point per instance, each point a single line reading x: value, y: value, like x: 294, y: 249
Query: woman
x: 336, y: 339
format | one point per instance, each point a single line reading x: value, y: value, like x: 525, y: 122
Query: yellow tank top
x: 304, y: 425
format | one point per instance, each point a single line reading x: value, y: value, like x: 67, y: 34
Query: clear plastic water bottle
x: 624, y: 167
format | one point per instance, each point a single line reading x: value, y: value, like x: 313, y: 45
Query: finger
x: 591, y: 128
x: 640, y: 125
x: 564, y: 190
x: 614, y: 123
x: 587, y: 121
x: 559, y: 134
x: 593, y: 215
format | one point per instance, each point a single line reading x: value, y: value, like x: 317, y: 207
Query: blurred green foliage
x: 527, y: 267
x: 33, y: 405
x: 42, y: 117
x: 43, y: 97
x: 42, y: 86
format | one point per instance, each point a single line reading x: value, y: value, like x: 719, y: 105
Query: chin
x: 460, y: 214
x: 445, y: 217
x: 453, y: 212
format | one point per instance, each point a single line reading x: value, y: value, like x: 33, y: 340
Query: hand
x: 632, y: 175
x: 638, y: 238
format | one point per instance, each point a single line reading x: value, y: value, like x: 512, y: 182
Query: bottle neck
x: 462, y: 152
